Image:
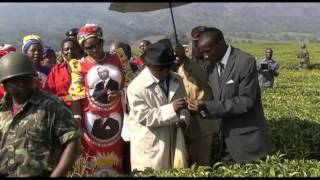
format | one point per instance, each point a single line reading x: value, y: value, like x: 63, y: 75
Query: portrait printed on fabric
x: 103, y: 131
x: 102, y: 79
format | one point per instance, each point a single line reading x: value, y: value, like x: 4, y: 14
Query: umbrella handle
x: 174, y: 26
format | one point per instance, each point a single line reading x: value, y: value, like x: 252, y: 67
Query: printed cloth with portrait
x: 102, y: 118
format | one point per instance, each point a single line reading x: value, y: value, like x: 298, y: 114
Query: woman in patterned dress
x: 97, y: 89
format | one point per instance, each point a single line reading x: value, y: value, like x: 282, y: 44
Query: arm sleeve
x: 65, y: 127
x: 248, y: 89
x: 50, y: 82
x: 275, y: 69
x: 148, y: 116
x: 258, y: 66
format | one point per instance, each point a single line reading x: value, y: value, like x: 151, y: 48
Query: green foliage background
x: 292, y: 113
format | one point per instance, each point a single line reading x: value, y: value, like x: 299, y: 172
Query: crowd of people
x: 120, y: 112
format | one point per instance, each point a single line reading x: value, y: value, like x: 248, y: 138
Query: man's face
x: 210, y: 50
x: 93, y: 47
x: 20, y: 86
x: 160, y: 72
x: 143, y: 46
x: 35, y: 53
x: 195, y: 50
x: 113, y: 47
x: 103, y: 74
x: 268, y: 54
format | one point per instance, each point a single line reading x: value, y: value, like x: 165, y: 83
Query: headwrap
x: 6, y: 48
x: 29, y: 40
x: 47, y: 49
x: 89, y: 31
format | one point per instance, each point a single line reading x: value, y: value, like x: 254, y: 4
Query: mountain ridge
x: 51, y: 20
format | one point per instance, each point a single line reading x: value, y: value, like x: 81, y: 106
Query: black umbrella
x: 144, y: 7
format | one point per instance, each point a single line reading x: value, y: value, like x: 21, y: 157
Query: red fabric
x: 106, y: 153
x: 6, y: 51
x: 1, y: 92
x: 91, y: 152
x: 58, y: 82
x: 38, y: 85
x: 85, y: 66
x: 14, y: 110
x: 89, y: 31
x: 40, y: 81
x: 138, y: 61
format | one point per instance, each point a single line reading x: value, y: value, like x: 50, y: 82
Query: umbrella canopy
x: 144, y: 7
x: 141, y: 7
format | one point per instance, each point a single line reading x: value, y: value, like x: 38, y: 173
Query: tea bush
x: 292, y: 112
x: 291, y: 109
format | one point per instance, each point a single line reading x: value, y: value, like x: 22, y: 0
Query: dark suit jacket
x: 100, y: 94
x: 238, y: 103
x: 99, y: 130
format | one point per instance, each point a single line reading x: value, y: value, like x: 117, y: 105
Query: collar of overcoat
x: 149, y: 82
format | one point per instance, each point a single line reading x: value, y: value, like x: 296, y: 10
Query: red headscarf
x: 89, y: 31
x: 6, y: 48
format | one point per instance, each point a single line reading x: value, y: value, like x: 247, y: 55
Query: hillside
x: 51, y: 20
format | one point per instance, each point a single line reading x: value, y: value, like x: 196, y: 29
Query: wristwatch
x: 77, y: 116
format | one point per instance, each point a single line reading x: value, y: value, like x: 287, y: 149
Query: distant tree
x: 182, y: 38
x: 228, y: 40
x: 286, y: 37
x: 313, y: 39
x: 248, y: 35
x: 303, y: 38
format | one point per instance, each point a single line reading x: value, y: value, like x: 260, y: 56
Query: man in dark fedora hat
x: 157, y: 108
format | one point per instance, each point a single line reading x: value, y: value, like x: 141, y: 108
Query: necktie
x: 163, y: 86
x: 221, y: 69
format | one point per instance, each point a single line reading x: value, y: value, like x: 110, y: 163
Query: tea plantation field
x: 293, y: 117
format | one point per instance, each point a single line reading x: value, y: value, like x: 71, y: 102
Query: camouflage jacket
x: 32, y: 141
x: 303, y: 55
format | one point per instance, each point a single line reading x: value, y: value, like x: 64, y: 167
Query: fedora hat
x: 159, y: 54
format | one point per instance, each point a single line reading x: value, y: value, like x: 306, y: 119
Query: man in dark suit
x: 236, y: 100
x: 100, y: 93
x: 105, y: 128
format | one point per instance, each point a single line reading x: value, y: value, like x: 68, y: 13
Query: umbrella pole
x: 174, y: 26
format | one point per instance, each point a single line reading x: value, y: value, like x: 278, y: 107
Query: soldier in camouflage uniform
x: 303, y: 57
x: 39, y: 136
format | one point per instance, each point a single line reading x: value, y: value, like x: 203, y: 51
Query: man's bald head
x: 213, y: 34
x: 212, y: 45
